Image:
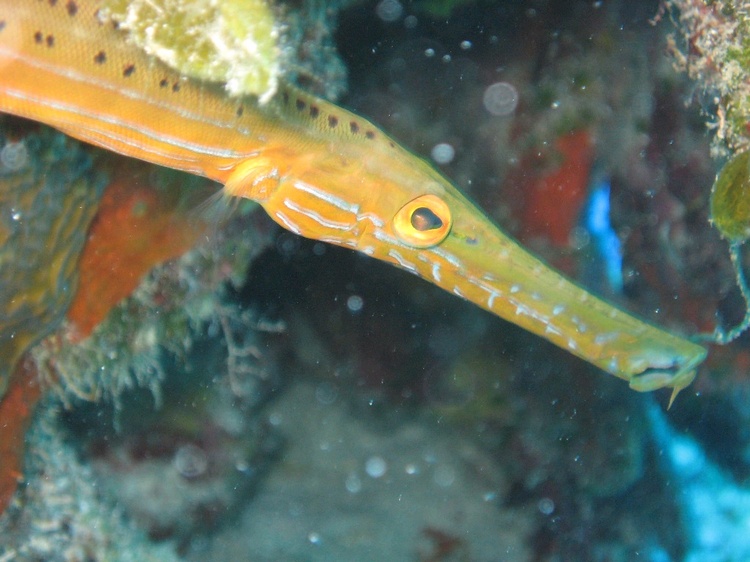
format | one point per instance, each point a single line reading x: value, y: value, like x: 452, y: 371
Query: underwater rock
x: 179, y: 468
x: 352, y: 487
x: 59, y: 514
x: 49, y: 191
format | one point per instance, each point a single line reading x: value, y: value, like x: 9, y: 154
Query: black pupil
x: 424, y: 219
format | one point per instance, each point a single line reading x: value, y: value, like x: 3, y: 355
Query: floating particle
x: 353, y: 484
x: 375, y: 467
x: 443, y: 153
x: 190, y: 461
x: 730, y: 199
x: 314, y: 538
x: 465, y: 45
x: 444, y: 476
x: 14, y: 156
x: 326, y: 393
x: 355, y: 303
x: 501, y: 98
x: 429, y: 53
x: 546, y: 506
x: 287, y: 244
x: 389, y: 10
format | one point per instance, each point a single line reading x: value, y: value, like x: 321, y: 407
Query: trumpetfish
x: 318, y: 170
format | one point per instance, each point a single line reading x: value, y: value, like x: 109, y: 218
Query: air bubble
x: 190, y: 461
x: 389, y: 10
x: 444, y: 476
x: 355, y: 303
x: 501, y: 98
x: 353, y: 484
x: 14, y: 156
x: 443, y: 153
x: 376, y: 467
x: 326, y: 393
x: 546, y: 506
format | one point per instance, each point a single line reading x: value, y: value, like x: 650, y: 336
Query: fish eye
x: 423, y: 219
x: 423, y: 222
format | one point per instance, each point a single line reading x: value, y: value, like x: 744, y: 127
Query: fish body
x: 319, y: 171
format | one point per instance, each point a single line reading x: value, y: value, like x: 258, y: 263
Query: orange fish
x: 319, y: 171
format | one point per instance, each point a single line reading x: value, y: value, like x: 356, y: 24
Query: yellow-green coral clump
x: 231, y: 41
x: 730, y: 199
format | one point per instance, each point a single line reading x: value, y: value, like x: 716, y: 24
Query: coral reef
x: 16, y: 412
x: 183, y: 466
x: 59, y: 514
x: 232, y: 43
x: 247, y: 45
x: 49, y: 193
x: 712, y: 47
x: 435, y: 431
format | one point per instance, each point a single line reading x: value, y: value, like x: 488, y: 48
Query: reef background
x: 264, y: 397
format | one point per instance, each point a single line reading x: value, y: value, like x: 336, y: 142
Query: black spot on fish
x: 353, y: 127
x: 333, y: 121
x: 50, y: 40
x: 314, y: 111
x: 176, y: 87
x: 240, y: 111
x: 52, y: 2
x: 38, y: 38
x: 163, y: 83
x: 370, y: 134
x: 100, y: 57
x: 72, y: 8
x: 128, y: 70
x: 285, y: 97
x: 300, y: 104
x: 2, y: 25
